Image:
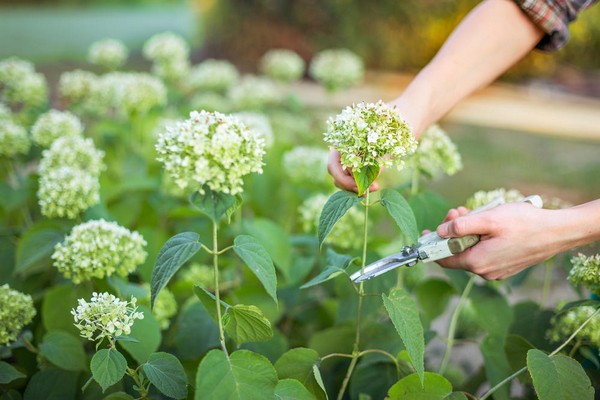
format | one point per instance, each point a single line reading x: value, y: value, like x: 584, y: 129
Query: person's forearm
x: 580, y: 225
x: 492, y: 38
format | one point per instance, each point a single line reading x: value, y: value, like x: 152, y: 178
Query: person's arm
x: 492, y: 38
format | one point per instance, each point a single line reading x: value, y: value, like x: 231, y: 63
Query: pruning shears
x: 431, y: 247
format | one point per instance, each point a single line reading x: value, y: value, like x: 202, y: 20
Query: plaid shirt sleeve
x: 553, y: 17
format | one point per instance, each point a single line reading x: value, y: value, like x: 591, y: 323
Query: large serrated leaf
x: 63, y: 350
x: 401, y: 212
x: 215, y: 205
x: 108, y: 367
x: 364, y: 177
x: 334, y: 209
x: 411, y: 387
x: 336, y: 265
x: 496, y: 364
x: 51, y: 384
x: 37, y: 245
x: 433, y: 295
x: 247, y: 324
x: 243, y: 376
x: 259, y: 261
x: 274, y: 240
x: 298, y: 364
x: 175, y: 252
x: 492, y: 310
x: 291, y: 389
x: 405, y: 317
x: 167, y: 374
x: 8, y: 373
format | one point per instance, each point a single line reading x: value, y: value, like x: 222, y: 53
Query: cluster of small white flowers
x: 337, y: 69
x: 16, y: 311
x: 482, y: 197
x: 345, y: 233
x: 54, y: 124
x: 436, y: 154
x: 258, y: 123
x: 108, y: 53
x: 213, y: 75
x: 105, y: 316
x: 14, y: 69
x: 585, y: 270
x: 306, y: 165
x: 133, y: 93
x: 21, y: 84
x: 165, y: 306
x: 13, y: 139
x: 82, y: 90
x: 99, y: 248
x: 65, y: 192
x: 370, y: 134
x: 253, y: 92
x: 74, y: 152
x: 166, y: 46
x: 282, y: 65
x: 565, y: 324
x: 210, y: 149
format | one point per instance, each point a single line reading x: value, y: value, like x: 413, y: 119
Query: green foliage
x: 215, y: 205
x: 259, y: 261
x: 51, y: 383
x: 108, y: 367
x: 291, y: 389
x: 166, y: 373
x: 431, y: 386
x: 400, y: 211
x: 146, y: 333
x: 364, y: 177
x: 37, y: 244
x: 335, y: 208
x: 8, y: 373
x: 247, y: 324
x: 63, y: 350
x: 299, y: 364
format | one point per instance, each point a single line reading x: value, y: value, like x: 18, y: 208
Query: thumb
x: 466, y: 225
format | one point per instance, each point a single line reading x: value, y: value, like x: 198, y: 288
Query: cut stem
x: 215, y: 253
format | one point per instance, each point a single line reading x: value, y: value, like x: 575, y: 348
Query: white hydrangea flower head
x: 133, y: 93
x: 165, y: 306
x: 370, y: 134
x: 74, y: 152
x: 16, y: 311
x: 108, y: 53
x: 282, y: 65
x: 30, y: 91
x: 254, y: 92
x: 165, y: 47
x: 105, y: 316
x: 211, y: 101
x: 78, y: 85
x: 345, y: 233
x: 337, y: 69
x: 306, y: 165
x: 585, y: 270
x: 482, y: 197
x: 173, y: 71
x: 565, y: 324
x: 14, y: 69
x: 54, y: 124
x: 213, y: 75
x: 13, y: 139
x: 436, y: 154
x: 66, y: 192
x: 99, y: 248
x: 210, y: 149
x: 257, y: 122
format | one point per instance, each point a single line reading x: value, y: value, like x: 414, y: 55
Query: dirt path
x: 500, y: 106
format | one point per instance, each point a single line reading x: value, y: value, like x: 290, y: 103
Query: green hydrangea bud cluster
x: 482, y: 197
x: 370, y: 134
x: 105, y: 316
x: 66, y: 192
x: 213, y: 75
x: 13, y: 139
x: 199, y: 274
x: 282, y: 65
x: 74, y: 152
x: 436, y: 154
x: 169, y: 54
x: 132, y: 93
x: 345, y: 233
x: 253, y: 93
x: 165, y: 306
x: 258, y: 123
x: 21, y: 85
x: 108, y: 53
x: 99, y: 248
x: 337, y: 69
x: 566, y: 323
x: 16, y: 311
x: 54, y: 124
x: 585, y: 271
x: 306, y: 165
x: 210, y: 149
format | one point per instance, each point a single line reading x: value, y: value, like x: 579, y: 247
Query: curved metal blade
x: 409, y: 256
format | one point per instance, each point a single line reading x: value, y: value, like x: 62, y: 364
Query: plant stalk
x: 143, y: 391
x: 215, y: 253
x: 414, y: 186
x: 454, y: 323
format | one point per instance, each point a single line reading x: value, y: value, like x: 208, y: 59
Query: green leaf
x: 496, y: 364
x: 516, y: 348
x: 108, y: 367
x: 274, y: 239
x: 52, y: 384
x: 400, y: 211
x: 259, y: 261
x: 336, y: 265
x: 119, y: 396
x: 167, y: 374
x: 208, y: 301
x: 291, y: 389
x: 247, y: 324
x: 405, y: 317
x: 298, y: 364
x: 558, y: 377
x: 196, y: 332
x: 243, y: 376
x: 456, y: 396
x: 492, y: 310
x: 56, y: 308
x: 319, y: 380
x: 178, y: 249
x: 37, y: 245
x: 411, y: 387
x: 429, y: 209
x: 8, y: 373
x: 373, y: 378
x: 364, y: 177
x: 147, y: 333
x: 215, y: 205
x: 64, y: 350
x: 334, y: 209
x: 433, y: 296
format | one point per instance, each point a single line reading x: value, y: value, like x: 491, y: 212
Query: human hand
x: 342, y: 177
x: 514, y: 236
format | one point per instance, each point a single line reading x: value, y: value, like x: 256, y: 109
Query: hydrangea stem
x: 215, y: 253
x: 414, y: 186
